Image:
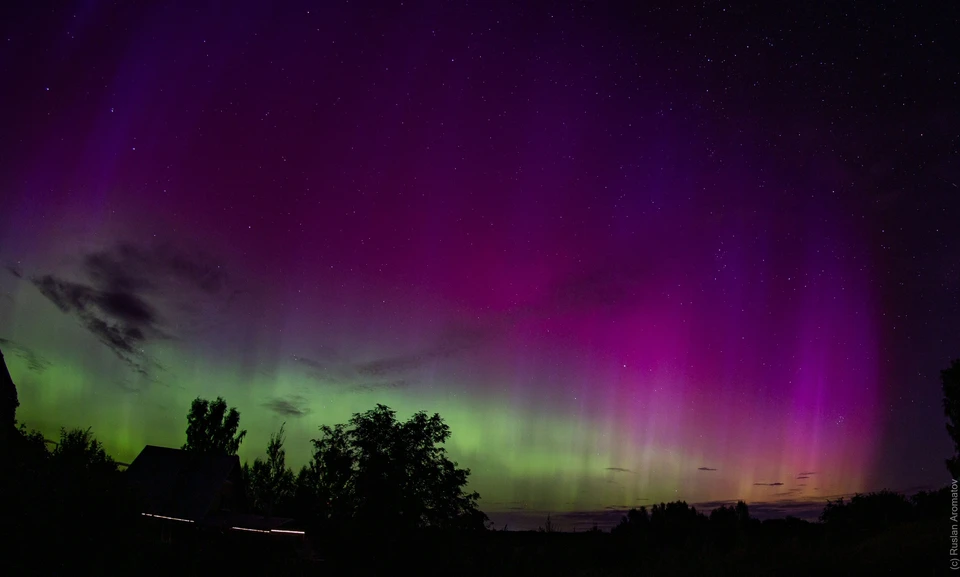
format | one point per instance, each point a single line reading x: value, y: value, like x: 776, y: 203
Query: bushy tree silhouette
x: 212, y: 428
x: 377, y: 472
x: 950, y: 381
x: 269, y: 482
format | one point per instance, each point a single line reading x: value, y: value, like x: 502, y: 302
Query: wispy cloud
x: 380, y: 386
x: 35, y: 362
x: 117, y: 300
x: 330, y: 368
x: 294, y: 406
x: 777, y: 484
x: 15, y: 270
x: 705, y: 469
x: 454, y: 341
x: 618, y: 470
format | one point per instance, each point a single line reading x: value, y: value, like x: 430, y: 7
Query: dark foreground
x: 916, y: 549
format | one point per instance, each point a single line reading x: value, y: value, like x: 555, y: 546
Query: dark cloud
x: 129, y: 268
x: 311, y: 363
x: 705, y: 469
x: 777, y: 484
x: 14, y: 270
x: 119, y: 303
x: 35, y: 362
x: 618, y: 470
x: 398, y: 364
x: 393, y: 371
x: 128, y: 307
x: 104, y: 315
x: 803, y: 477
x: 808, y: 473
x: 289, y: 407
x: 454, y: 341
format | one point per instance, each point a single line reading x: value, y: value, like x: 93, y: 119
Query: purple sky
x: 701, y: 253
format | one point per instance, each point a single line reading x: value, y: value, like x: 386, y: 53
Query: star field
x: 700, y: 250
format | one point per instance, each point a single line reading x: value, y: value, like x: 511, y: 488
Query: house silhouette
x: 8, y: 402
x: 177, y: 490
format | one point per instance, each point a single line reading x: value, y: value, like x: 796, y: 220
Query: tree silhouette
x: 269, y: 481
x: 950, y: 380
x: 743, y: 514
x: 211, y: 428
x: 635, y: 523
x: 79, y: 451
x: 378, y: 472
x: 724, y: 525
x: 323, y: 489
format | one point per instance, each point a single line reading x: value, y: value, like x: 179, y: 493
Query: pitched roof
x: 178, y: 483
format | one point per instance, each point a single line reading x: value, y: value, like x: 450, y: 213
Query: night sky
x: 630, y: 255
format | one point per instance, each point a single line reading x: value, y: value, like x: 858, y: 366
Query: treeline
x: 370, y: 478
x: 679, y: 525
x: 379, y: 495
x: 371, y: 474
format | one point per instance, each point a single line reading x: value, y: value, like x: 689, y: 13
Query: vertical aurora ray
x: 608, y: 302
x: 578, y: 394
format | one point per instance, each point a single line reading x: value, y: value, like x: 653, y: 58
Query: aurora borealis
x: 629, y: 257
